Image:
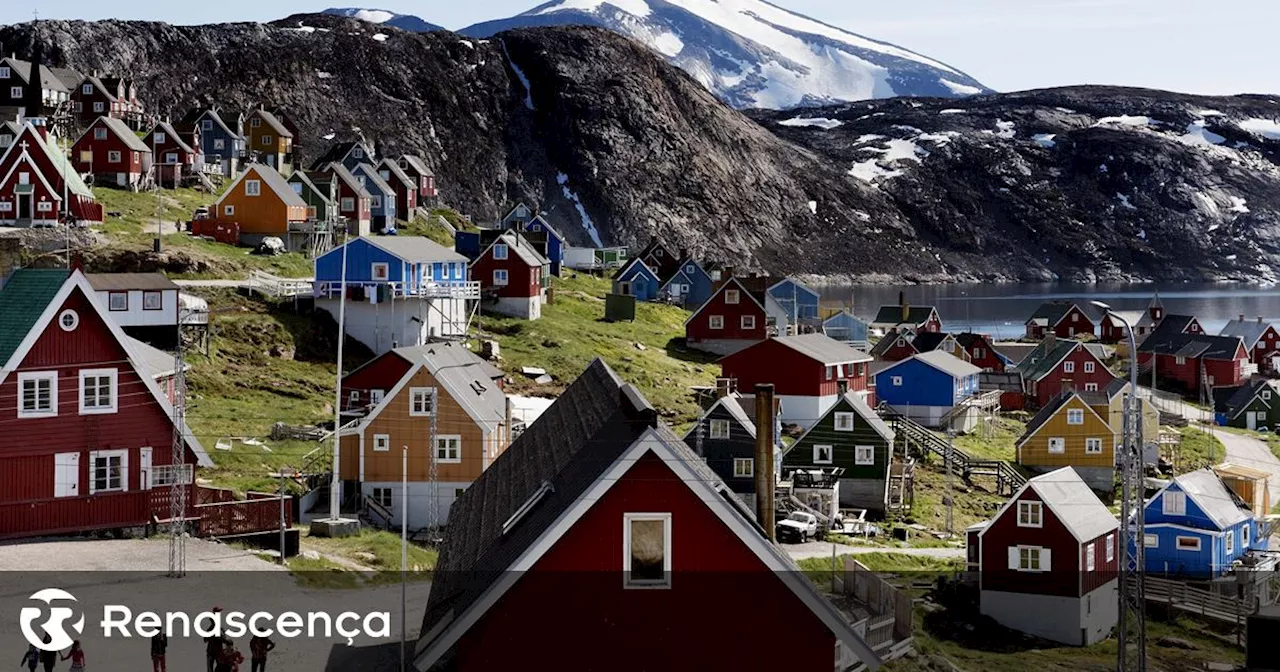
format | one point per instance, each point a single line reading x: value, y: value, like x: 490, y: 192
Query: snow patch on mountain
x: 1126, y: 120
x: 818, y: 122
x: 1197, y: 134
x: 588, y: 224
x: 637, y: 8
x: 960, y: 89
x: 1267, y: 128
x: 384, y: 17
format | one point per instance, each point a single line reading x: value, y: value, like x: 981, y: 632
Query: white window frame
x: 380, y: 271
x: 1229, y: 542
x: 44, y: 206
x: 159, y: 138
x: 1088, y: 367
x: 817, y: 450
x: 375, y: 202
x: 1057, y: 445
x: 266, y: 139
x: 1244, y: 535
x: 1090, y: 387
x: 1090, y: 558
x: 86, y: 89
x: 500, y: 251
x: 1029, y: 556
x: 206, y: 125
x: 1180, y: 361
x: 1068, y: 367
x: 1178, y: 544
x: 383, y: 496
x: 500, y: 277
x: 228, y: 211
x: 381, y: 443
x: 4, y: 72
x: 117, y: 306
x: 719, y: 429
x: 348, y: 203
x: 627, y: 581
x: 1111, y: 547
x: 748, y: 321
x: 253, y: 187
x: 1093, y: 446
x: 35, y: 376
x: 732, y: 297
x: 113, y: 390
x: 99, y: 107
x: 113, y: 156
x: 443, y: 441
x: 896, y: 381
x: 1151, y: 541
x: 15, y: 92
x: 376, y: 396
x: 93, y: 470
x: 715, y: 321
x: 1030, y: 514
x: 152, y: 300
x: 420, y: 397
x: 744, y: 467
x: 255, y: 122
x: 844, y: 421
x: 1173, y: 503
x: 864, y: 456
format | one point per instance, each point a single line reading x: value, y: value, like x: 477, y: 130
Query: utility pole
x: 283, y: 471
x: 433, y: 472
x: 951, y: 441
x: 180, y: 472
x: 334, y: 504
x: 404, y: 550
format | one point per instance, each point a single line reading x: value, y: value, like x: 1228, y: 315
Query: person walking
x: 31, y: 658
x: 48, y: 658
x: 213, y: 645
x: 229, y: 659
x: 259, y: 647
x: 76, y: 654
x: 159, y: 645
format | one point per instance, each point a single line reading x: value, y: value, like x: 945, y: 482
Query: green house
x: 319, y: 195
x: 1254, y: 405
x: 850, y: 436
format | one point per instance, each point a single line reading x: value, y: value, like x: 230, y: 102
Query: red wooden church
x: 87, y: 430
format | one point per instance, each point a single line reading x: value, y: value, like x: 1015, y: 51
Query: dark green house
x: 319, y: 196
x: 1254, y: 405
x: 850, y: 436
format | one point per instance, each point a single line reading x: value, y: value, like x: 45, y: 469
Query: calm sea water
x: 1002, y: 309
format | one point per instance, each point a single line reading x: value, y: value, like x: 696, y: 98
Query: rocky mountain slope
x: 384, y: 17
x: 753, y: 53
x: 618, y: 145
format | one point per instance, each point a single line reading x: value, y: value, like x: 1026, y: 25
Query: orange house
x: 261, y: 203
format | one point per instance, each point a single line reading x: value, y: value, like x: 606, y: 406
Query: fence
x: 223, y: 232
x: 891, y: 608
x: 272, y: 286
x: 260, y: 513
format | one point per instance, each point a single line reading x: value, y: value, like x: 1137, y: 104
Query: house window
x: 118, y: 301
x: 380, y: 271
x: 381, y: 443
x: 229, y: 210
x: 731, y: 296
x: 831, y: 372
x: 15, y: 92
x: 1030, y: 514
x: 1093, y: 446
x: 159, y: 138
x: 44, y: 206
x: 864, y: 455
x: 844, y: 421
x: 255, y: 122
x: 219, y: 143
x: 376, y: 202
x: 1244, y: 535
x: 1090, y: 559
x: 97, y: 391
x: 1068, y: 367
x: 500, y: 277
x: 357, y: 153
x: 897, y: 381
x: 500, y: 251
x: 1088, y: 367
x: 168, y: 474
x: 98, y: 107
x: 1075, y: 416
x: 39, y: 394
x: 646, y: 550
x: 449, y: 449
x: 1180, y: 360
x: 748, y: 321
x: 1173, y: 503
x: 1057, y: 445
x: 1188, y: 543
x: 719, y: 429
x: 822, y: 454
x: 86, y: 89
x: 109, y: 470
x: 1111, y: 547
x: 1230, y: 539
x: 1151, y: 540
x: 744, y: 467
x: 171, y: 158
x: 716, y: 322
x: 207, y: 124
x: 348, y: 203
x: 266, y: 140
x: 253, y: 187
x: 1090, y: 387
x: 422, y: 401
x: 113, y: 156
x: 1028, y: 558
x: 4, y: 72
x: 383, y: 497
x: 152, y: 300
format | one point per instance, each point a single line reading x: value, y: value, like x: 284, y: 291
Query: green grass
x: 819, y: 569
x: 1199, y: 449
x: 429, y: 228
x: 572, y: 332
x: 375, y: 549
x: 1001, y: 444
x: 970, y: 504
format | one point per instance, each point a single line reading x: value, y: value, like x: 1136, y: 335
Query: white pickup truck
x: 797, y: 527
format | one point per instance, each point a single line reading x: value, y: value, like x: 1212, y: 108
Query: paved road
x: 1252, y: 452
x: 822, y: 549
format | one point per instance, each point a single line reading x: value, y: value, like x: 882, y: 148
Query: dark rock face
x: 383, y: 17
x: 613, y: 142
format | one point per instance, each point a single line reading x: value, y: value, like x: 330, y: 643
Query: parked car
x: 797, y: 527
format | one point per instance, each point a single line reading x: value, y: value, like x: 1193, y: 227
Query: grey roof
x: 1074, y: 504
x: 523, y: 249
x: 414, y: 248
x: 1232, y: 400
x: 276, y: 182
x: 467, y: 378
x: 375, y: 180
x: 948, y: 363
x: 338, y: 151
x: 154, y: 361
x: 345, y: 175
x: 1208, y: 491
x: 274, y: 123
x: 109, y: 92
x: 733, y: 405
x: 877, y: 423
x: 1045, y: 357
x: 217, y: 119
x: 1051, y: 313
x: 61, y: 162
x: 124, y: 281
x: 889, y: 342
x: 1247, y: 330
x: 70, y: 78
x: 166, y: 127
x: 1170, y: 338
x: 396, y: 172
x: 125, y: 133
x: 1009, y: 381
x: 417, y: 164
x: 823, y: 348
x: 49, y: 80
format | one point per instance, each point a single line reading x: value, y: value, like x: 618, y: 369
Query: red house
x: 354, y: 203
x: 1261, y: 340
x: 1059, y: 364
x: 416, y: 168
x: 730, y: 320
x: 1187, y: 361
x: 105, y: 97
x: 1048, y: 562
x: 38, y: 184
x: 174, y: 156
x: 406, y: 188
x: 112, y: 153
x: 512, y: 276
x: 604, y: 513
x: 1063, y: 318
x: 96, y: 430
x: 895, y: 347
x: 808, y: 371
x: 982, y: 353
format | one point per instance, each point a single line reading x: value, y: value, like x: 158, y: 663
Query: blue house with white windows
x: 399, y: 290
x: 638, y: 280
x: 1196, y: 526
x: 691, y: 285
x: 382, y: 196
x: 798, y: 304
x: 931, y: 388
x: 847, y: 328
x: 221, y: 139
x: 552, y: 243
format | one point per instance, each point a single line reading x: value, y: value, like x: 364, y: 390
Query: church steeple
x: 33, y: 101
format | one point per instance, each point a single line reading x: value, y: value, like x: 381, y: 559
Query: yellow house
x: 268, y: 141
x: 1069, y: 432
x: 1109, y: 404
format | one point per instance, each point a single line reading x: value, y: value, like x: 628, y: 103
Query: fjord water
x: 1001, y: 309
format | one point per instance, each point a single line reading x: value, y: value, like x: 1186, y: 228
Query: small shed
x: 1249, y: 483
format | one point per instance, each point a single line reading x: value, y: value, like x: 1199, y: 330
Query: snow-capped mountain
x: 755, y: 54
x: 382, y: 16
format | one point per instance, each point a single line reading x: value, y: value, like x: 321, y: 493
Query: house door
x: 1252, y: 419
x: 24, y: 206
x: 145, y: 469
x: 640, y: 290
x: 66, y: 475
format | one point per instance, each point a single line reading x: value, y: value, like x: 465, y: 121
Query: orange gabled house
x: 261, y: 203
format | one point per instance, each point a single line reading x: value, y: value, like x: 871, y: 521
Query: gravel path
x: 822, y: 549
x: 1251, y: 452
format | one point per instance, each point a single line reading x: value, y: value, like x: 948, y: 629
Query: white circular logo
x: 55, y: 637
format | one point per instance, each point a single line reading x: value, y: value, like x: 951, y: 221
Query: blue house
x: 847, y: 328
x: 638, y: 280
x: 382, y: 196
x: 553, y: 243
x: 799, y: 305
x: 1196, y: 526
x: 691, y: 285
x: 929, y: 388
x: 400, y: 290
x: 221, y: 140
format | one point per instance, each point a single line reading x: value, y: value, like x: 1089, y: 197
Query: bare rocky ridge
x: 645, y: 150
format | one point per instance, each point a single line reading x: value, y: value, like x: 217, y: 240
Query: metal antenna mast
x: 1132, y: 530
x: 433, y: 472
x: 181, y: 476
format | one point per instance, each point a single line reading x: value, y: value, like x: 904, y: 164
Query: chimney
x: 906, y: 307
x: 1050, y: 338
x: 723, y: 387
x: 728, y: 273
x: 1242, y: 317
x: 1259, y: 319
x: 764, y: 467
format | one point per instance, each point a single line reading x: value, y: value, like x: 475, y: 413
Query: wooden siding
x: 1035, y: 451
x: 382, y: 373
x: 1066, y: 554
x: 791, y: 372
x: 523, y: 280
x: 720, y: 453
x: 1225, y: 373
x: 1058, y: 380
x: 265, y: 213
x: 131, y: 161
x: 699, y: 327
x: 843, y: 447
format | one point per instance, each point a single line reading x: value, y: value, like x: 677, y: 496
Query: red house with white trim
x: 174, y: 156
x: 1261, y: 340
x: 982, y: 352
x: 895, y: 346
x: 36, y: 177
x: 96, y: 429
x: 512, y: 276
x: 1048, y: 562
x: 1060, y: 364
x: 1063, y: 318
x: 1188, y: 361
x: 111, y: 151
x: 730, y: 320
x: 808, y: 372
x: 603, y: 512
